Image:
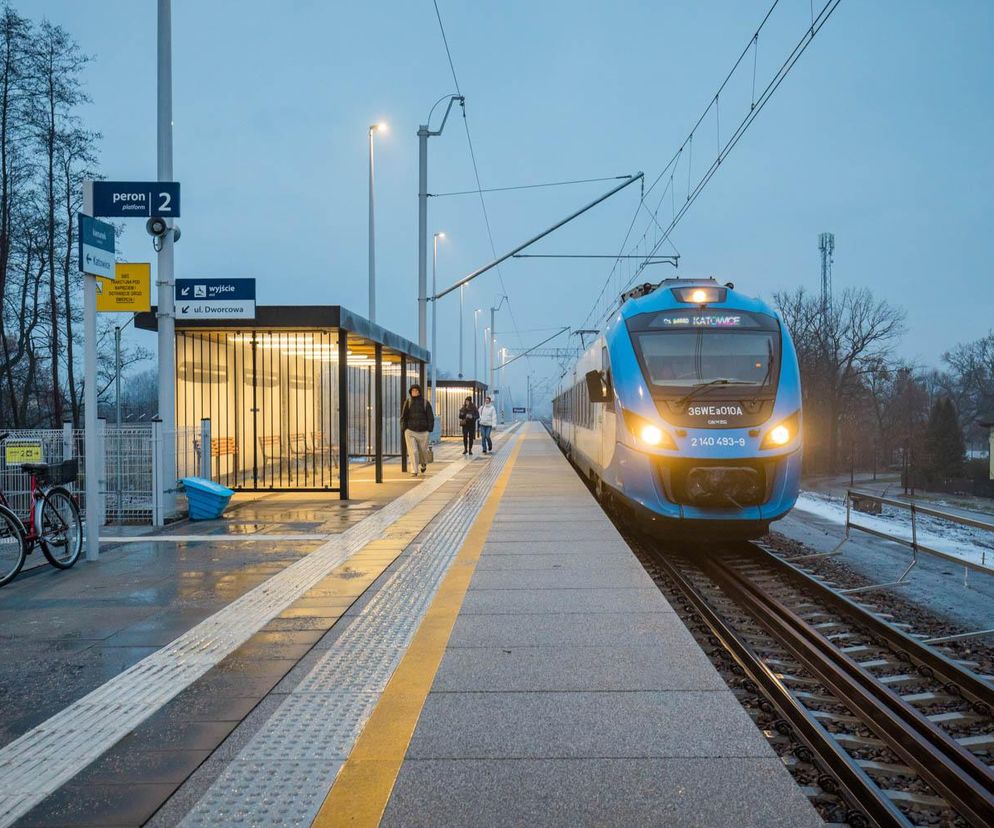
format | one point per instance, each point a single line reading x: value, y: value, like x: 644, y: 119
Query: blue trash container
x: 207, y: 500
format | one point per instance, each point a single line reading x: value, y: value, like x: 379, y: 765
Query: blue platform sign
x: 96, y: 247
x: 215, y: 298
x: 136, y: 199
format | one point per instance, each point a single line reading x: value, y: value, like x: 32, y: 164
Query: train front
x: 708, y: 408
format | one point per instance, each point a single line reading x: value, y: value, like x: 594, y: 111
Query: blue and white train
x: 687, y: 408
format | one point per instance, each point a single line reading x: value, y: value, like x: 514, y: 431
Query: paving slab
x: 606, y: 724
x: 655, y: 666
x: 524, y: 601
x: 622, y: 629
x: 558, y: 561
x: 547, y: 547
x: 747, y: 793
x: 562, y: 578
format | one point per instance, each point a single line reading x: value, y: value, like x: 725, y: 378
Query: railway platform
x: 483, y: 649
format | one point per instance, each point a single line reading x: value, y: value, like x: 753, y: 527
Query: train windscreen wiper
x: 700, y: 389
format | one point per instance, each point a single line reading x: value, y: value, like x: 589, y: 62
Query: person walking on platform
x: 488, y: 419
x: 417, y: 420
x: 469, y: 416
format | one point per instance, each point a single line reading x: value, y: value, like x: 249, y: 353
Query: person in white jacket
x: 488, y: 419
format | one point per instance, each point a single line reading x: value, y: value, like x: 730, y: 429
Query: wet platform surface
x: 63, y: 634
x: 480, y: 647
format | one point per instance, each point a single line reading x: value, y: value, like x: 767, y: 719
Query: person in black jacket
x: 417, y: 420
x: 469, y: 417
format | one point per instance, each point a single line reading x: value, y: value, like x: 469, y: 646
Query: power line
x: 476, y: 172
x: 528, y: 186
x: 756, y: 107
x: 687, y: 146
x: 445, y: 41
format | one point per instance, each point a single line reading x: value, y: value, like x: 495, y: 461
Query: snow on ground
x: 964, y: 542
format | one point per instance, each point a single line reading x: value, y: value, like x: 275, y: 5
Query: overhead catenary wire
x: 476, y: 173
x: 757, y: 105
x: 686, y: 147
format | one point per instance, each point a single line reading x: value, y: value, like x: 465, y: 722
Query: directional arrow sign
x: 136, y: 199
x: 96, y: 247
x: 215, y: 298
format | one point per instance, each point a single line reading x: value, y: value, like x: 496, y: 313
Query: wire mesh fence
x: 132, y: 491
x: 45, y: 445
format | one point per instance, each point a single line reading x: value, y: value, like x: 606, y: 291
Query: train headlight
x: 647, y: 433
x: 782, y: 433
x: 653, y: 435
x: 700, y: 295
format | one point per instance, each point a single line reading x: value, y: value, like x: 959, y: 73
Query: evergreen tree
x: 944, y: 443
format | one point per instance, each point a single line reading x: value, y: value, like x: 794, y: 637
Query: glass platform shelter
x: 294, y: 396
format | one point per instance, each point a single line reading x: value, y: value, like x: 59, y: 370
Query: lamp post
x: 476, y: 338
x: 434, y: 315
x: 503, y: 385
x: 373, y: 128
x: 462, y: 291
x: 424, y: 133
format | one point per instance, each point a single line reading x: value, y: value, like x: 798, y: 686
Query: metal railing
x: 915, y: 510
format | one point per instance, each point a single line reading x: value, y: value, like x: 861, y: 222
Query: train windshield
x: 684, y: 349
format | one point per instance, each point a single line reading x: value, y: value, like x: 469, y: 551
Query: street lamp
x: 424, y: 133
x: 476, y: 337
x: 434, y: 314
x: 503, y: 385
x: 462, y: 290
x: 373, y: 128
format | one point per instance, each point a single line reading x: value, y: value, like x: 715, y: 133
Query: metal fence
x: 869, y: 503
x: 134, y: 490
x: 56, y: 445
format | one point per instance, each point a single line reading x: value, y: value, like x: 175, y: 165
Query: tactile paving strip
x: 40, y: 761
x: 322, y: 717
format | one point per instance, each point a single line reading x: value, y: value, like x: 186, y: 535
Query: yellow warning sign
x: 18, y: 453
x: 129, y: 292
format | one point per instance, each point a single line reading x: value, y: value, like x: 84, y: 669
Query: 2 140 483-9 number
x: 718, y: 441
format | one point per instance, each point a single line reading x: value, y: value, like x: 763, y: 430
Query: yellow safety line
x: 363, y: 787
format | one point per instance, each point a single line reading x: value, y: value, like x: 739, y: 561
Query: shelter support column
x: 343, y: 412
x: 403, y: 396
x: 378, y: 412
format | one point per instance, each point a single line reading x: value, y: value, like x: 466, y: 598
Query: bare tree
x: 56, y: 62
x: 839, y: 349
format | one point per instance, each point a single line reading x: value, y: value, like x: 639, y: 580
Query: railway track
x: 879, y: 728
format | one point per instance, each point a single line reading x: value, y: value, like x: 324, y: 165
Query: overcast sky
x: 881, y: 134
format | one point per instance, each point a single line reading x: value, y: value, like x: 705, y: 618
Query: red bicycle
x: 53, y: 523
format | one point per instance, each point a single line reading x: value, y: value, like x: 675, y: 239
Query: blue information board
x: 136, y: 199
x: 191, y: 289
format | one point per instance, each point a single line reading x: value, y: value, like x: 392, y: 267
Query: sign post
x: 93, y: 236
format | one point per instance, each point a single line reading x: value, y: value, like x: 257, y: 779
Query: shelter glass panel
x: 272, y: 399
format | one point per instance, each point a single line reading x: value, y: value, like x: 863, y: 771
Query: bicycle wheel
x: 13, y: 547
x: 61, y: 530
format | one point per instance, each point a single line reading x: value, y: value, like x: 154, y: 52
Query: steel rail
x: 955, y: 773
x: 853, y: 780
x: 973, y: 686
